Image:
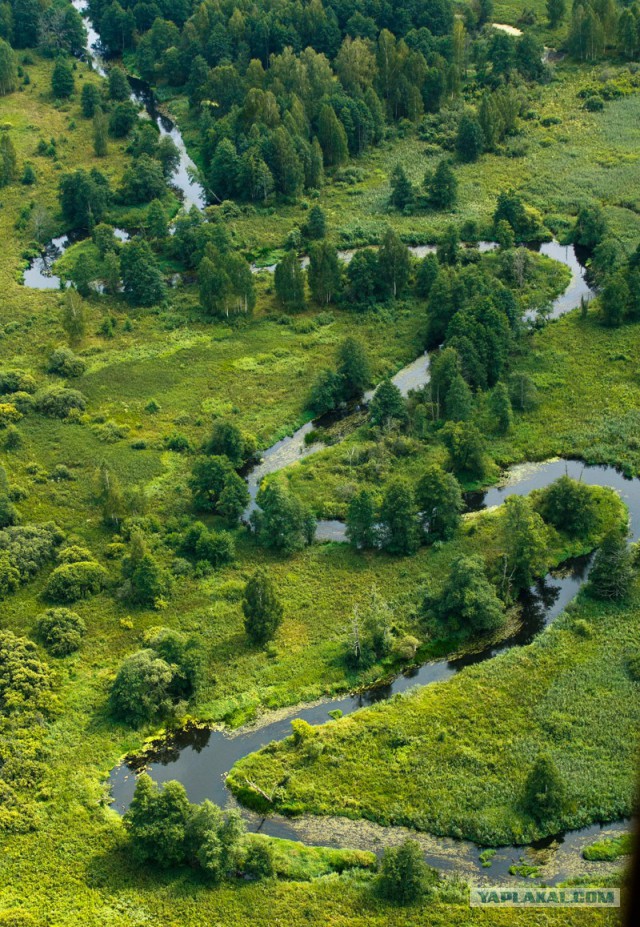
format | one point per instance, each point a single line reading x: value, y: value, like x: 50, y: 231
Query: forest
x: 319, y: 460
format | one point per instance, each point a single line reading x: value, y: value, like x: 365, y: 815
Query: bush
x: 72, y: 581
x: 24, y: 678
x: 61, y: 631
x: 58, y: 401
x: 140, y: 691
x: 66, y: 364
x: 404, y: 875
x: 14, y: 381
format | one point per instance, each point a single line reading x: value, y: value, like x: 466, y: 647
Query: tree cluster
x: 153, y: 681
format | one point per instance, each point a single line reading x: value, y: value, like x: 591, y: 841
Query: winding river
x: 200, y: 758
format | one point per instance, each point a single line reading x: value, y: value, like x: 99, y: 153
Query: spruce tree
x: 316, y: 226
x: 469, y: 138
x: 611, y: 575
x: 544, y: 793
x: 353, y: 368
x: 100, y: 133
x: 8, y: 69
x: 332, y: 137
x: 62, y: 82
x: 394, y: 263
x: 324, y: 273
x: 500, y: 409
x: 402, y: 193
x: 442, y: 186
x: 141, y: 277
x: 388, y: 406
x: 157, y: 224
x: 458, y: 401
x: 8, y: 160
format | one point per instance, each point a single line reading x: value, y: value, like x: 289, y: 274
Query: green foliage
x: 140, y: 691
x: 261, y: 607
x: 468, y: 603
x: 62, y: 82
x: 324, y: 273
x: 442, y: 186
x: 70, y: 582
x: 142, y: 280
x: 24, y: 550
x: 289, y: 282
x: 388, y: 407
x: 609, y: 848
x: 90, y: 100
x: 404, y: 875
x: 466, y: 447
x: 545, y: 793
x: 8, y: 69
x: 590, y: 227
x: 216, y: 487
x: 371, y: 638
x: 611, y: 575
x: 281, y: 521
x: 25, y: 681
x: 145, y: 581
x: 500, y: 409
x: 66, y: 364
x: 569, y: 506
x: 361, y: 521
x: 439, y: 501
x: 469, y: 139
x: 61, y: 631
x: 398, y: 519
x: 228, y: 440
x: 524, y: 540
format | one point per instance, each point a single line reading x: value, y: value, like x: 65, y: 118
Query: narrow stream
x: 184, y: 177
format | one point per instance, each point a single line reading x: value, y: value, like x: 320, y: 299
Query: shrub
x: 61, y: 631
x: 74, y: 554
x: 140, y: 691
x: 58, y: 401
x: 404, y: 875
x: 72, y: 581
x: 9, y: 415
x: 14, y: 381
x: 66, y: 364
